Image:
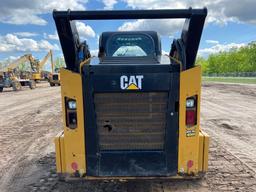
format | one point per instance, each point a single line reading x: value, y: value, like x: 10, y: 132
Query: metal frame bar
x: 129, y: 14
x: 69, y: 37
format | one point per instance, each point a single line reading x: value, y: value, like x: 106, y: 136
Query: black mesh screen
x: 131, y: 121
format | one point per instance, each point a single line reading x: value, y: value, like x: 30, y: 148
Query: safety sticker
x: 190, y: 133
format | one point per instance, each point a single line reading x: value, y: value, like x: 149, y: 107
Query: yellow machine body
x: 36, y: 76
x: 54, y: 79
x: 192, y: 148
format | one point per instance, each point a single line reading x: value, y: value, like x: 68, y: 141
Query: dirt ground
x: 29, y: 120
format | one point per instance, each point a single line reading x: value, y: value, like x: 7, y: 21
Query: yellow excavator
x: 11, y: 76
x: 37, y: 66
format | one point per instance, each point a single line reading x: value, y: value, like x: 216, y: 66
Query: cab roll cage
x: 72, y: 47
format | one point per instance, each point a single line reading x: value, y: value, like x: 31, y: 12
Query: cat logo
x: 133, y: 82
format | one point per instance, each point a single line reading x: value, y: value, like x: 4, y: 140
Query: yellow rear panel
x: 190, y: 85
x: 74, y: 145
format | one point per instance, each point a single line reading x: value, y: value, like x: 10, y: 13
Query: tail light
x: 71, y: 113
x: 191, y: 111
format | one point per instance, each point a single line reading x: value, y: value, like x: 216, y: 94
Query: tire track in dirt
x: 228, y: 115
x: 18, y: 104
x: 26, y: 131
x: 226, y: 173
x: 238, y: 151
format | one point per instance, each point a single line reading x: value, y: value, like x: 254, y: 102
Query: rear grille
x: 131, y: 121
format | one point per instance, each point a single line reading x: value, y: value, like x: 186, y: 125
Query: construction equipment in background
x: 11, y: 76
x: 54, y: 78
x: 37, y: 67
x: 131, y: 112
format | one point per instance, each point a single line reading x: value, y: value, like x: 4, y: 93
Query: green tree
x: 24, y: 67
x: 59, y: 63
x: 233, y: 61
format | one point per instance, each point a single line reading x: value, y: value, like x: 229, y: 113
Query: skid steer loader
x: 11, y: 76
x: 131, y: 112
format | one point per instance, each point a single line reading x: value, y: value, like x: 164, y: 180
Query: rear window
x: 130, y: 45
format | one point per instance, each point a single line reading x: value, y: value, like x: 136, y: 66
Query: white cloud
x: 212, y: 42
x: 94, y: 52
x: 220, y: 11
x: 25, y: 34
x: 5, y: 61
x: 11, y: 42
x: 153, y: 4
x: 165, y: 27
x: 165, y: 52
x: 12, y: 57
x: 30, y: 11
x: 51, y: 36
x: 46, y: 45
x: 85, y: 31
x: 109, y: 4
x: 219, y: 48
x: 242, y: 11
x: 98, y: 39
x: 28, y: 17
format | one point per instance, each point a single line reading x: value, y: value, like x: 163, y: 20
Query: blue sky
x: 27, y: 26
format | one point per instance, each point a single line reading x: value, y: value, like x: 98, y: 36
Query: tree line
x: 233, y: 61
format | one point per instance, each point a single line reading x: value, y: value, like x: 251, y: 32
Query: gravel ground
x: 29, y: 120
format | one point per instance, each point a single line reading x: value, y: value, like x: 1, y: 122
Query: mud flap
x: 203, y: 152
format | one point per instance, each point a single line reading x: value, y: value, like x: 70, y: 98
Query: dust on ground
x: 30, y: 119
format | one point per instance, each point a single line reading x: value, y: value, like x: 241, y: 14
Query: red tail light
x: 190, y: 117
x: 191, y: 111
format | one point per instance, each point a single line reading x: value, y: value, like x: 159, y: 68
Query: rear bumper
x: 69, y: 177
x: 62, y: 167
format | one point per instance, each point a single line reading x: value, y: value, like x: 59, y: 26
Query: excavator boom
x: 17, y: 62
x: 37, y: 66
x: 44, y: 60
